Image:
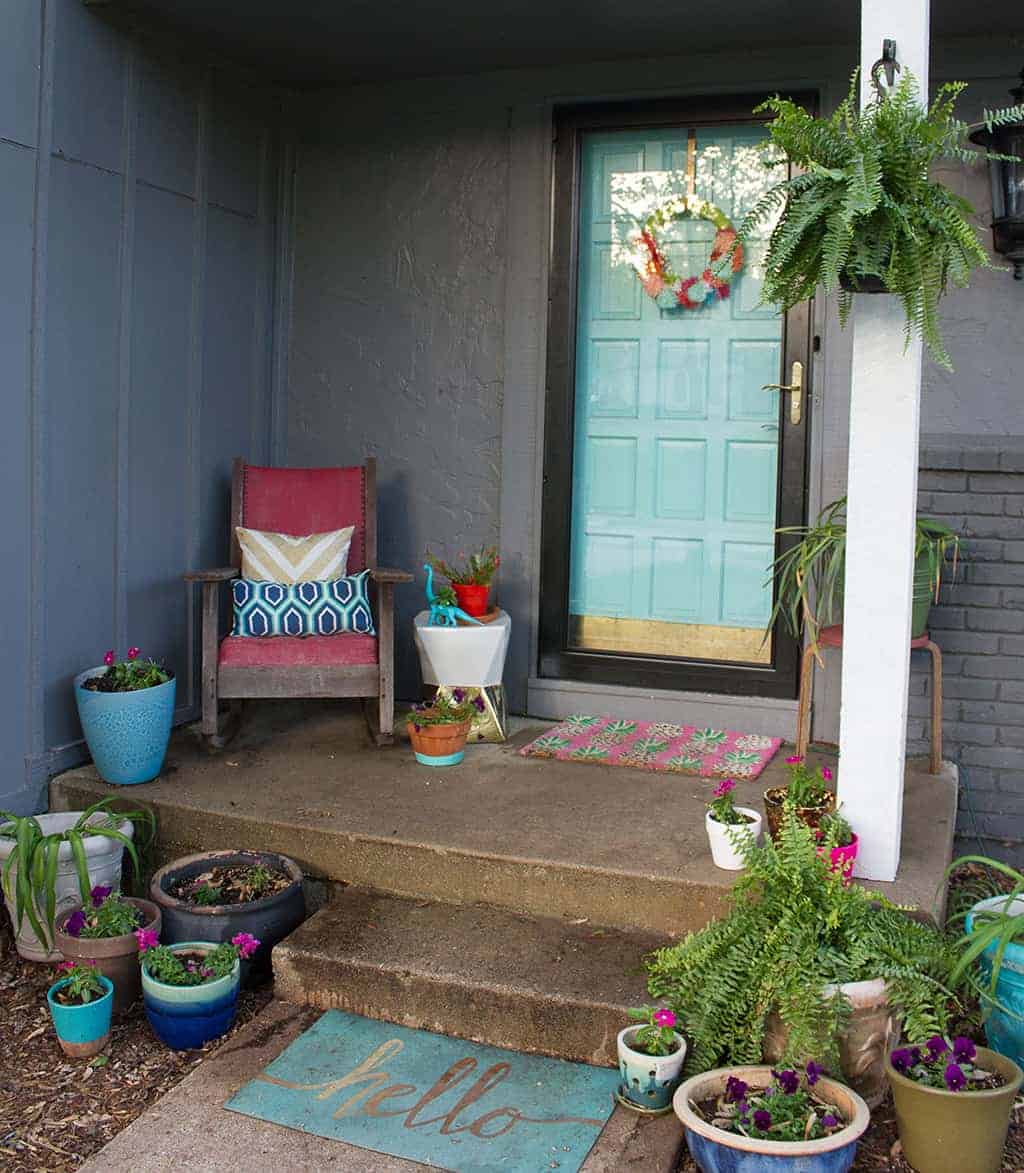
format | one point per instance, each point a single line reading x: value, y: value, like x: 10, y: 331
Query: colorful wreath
x: 659, y: 281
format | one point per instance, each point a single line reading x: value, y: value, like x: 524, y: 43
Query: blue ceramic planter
x: 1004, y: 1018
x: 127, y: 732
x: 82, y: 1030
x: 186, y: 1017
x: 718, y: 1151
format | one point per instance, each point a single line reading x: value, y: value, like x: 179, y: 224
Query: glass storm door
x: 679, y: 454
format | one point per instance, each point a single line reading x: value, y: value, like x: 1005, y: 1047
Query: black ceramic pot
x: 270, y: 920
x: 862, y: 284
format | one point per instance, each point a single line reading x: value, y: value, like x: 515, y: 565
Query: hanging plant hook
x: 891, y: 66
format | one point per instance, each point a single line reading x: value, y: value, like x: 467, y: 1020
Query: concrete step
x: 473, y: 971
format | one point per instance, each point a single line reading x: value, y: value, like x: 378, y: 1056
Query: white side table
x: 468, y: 657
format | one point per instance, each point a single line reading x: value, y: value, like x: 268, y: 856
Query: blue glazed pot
x: 1004, y: 1017
x: 648, y: 1081
x: 186, y: 1017
x: 84, y: 1030
x: 718, y: 1151
x: 127, y: 732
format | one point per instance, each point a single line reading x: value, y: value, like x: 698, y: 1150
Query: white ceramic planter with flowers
x: 729, y: 826
x: 651, y: 1057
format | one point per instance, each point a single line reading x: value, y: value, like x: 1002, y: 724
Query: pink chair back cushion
x: 349, y: 649
x: 307, y: 501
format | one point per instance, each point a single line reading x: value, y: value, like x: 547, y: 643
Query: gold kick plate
x: 796, y: 392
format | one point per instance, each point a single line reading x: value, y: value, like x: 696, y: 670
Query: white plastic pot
x: 103, y: 858
x: 649, y: 1080
x: 723, y: 852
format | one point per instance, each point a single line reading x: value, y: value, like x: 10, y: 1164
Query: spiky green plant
x: 861, y: 202
x: 994, y: 929
x: 794, y: 929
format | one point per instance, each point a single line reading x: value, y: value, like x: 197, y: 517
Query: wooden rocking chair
x: 301, y: 501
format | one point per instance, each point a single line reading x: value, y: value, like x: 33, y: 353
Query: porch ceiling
x: 346, y: 41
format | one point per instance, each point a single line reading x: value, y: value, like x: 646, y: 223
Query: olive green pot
x: 955, y: 1132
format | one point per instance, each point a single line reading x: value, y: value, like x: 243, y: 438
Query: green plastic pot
x: 955, y: 1132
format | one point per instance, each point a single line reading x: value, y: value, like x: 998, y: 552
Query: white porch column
x: 882, y: 486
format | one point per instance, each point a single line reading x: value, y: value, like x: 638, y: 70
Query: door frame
x: 556, y: 659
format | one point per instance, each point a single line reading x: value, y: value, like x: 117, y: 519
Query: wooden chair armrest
x: 217, y: 574
x: 383, y: 575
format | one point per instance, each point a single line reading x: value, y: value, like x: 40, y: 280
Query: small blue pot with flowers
x: 190, y: 990
x: 81, y: 1002
x: 757, y: 1120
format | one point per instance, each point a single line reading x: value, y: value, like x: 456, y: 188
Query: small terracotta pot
x: 116, y: 958
x: 810, y: 816
x: 472, y: 598
x: 439, y: 745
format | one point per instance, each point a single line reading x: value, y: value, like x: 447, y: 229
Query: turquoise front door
x: 679, y: 455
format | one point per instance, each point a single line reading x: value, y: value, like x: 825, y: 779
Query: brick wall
x: 976, y: 485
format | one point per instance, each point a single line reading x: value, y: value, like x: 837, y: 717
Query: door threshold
x: 557, y: 699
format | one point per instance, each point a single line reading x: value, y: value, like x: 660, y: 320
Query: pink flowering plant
x: 445, y: 709
x: 657, y: 1036
x: 722, y: 808
x: 81, y: 983
x: 108, y: 914
x: 789, y: 1109
x: 807, y: 787
x: 189, y: 967
x: 127, y: 675
x: 944, y: 1064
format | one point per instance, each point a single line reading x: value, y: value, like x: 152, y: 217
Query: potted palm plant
x: 438, y: 729
x: 861, y: 211
x: 471, y: 581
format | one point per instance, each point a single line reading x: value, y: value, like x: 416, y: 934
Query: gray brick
x: 958, y: 686
x: 999, y: 712
x: 995, y: 573
x: 1005, y: 756
x: 959, y: 504
x: 989, y: 803
x: 1013, y: 551
x: 979, y: 778
x: 1013, y: 505
x: 1000, y: 619
x: 993, y: 667
x: 1011, y: 690
x: 930, y: 480
x: 969, y: 733
x: 978, y: 596
x: 1013, y: 597
x: 921, y: 706
x: 983, y: 550
x: 1012, y: 645
x: 990, y: 482
x: 994, y: 527
x: 1011, y: 735
x: 968, y: 641
x: 946, y: 619
x: 917, y: 731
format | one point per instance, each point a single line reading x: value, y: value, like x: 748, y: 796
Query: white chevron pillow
x: 268, y: 557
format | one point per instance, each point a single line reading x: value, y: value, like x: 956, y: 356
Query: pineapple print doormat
x: 656, y: 745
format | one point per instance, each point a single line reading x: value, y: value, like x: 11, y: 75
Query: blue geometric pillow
x: 302, y: 608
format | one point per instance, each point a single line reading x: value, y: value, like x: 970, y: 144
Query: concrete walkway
x: 189, y: 1129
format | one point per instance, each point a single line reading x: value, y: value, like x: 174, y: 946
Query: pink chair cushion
x: 348, y: 649
x: 307, y: 501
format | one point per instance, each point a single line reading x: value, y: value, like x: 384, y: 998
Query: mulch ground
x: 56, y: 1112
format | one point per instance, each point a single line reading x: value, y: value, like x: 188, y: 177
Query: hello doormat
x: 656, y: 745
x: 429, y: 1098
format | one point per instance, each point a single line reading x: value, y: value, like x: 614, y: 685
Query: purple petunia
x: 963, y: 1050
x: 762, y: 1119
x: 735, y: 1090
x: 478, y: 704
x: 814, y: 1072
x: 458, y: 696
x: 937, y: 1046
x: 789, y: 1081
x: 955, y: 1079
x: 99, y: 894
x: 75, y: 923
x: 829, y: 1121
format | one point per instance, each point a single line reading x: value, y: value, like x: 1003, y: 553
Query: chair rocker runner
x: 301, y: 501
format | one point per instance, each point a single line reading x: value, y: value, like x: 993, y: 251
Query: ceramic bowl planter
x: 720, y: 835
x: 1004, y: 1017
x: 717, y: 1151
x: 103, y: 857
x: 127, y: 732
x: 270, y: 919
x: 116, y: 958
x: 648, y: 1081
x: 810, y: 816
x: 186, y: 1017
x: 83, y: 1031
x: 439, y: 745
x: 955, y: 1132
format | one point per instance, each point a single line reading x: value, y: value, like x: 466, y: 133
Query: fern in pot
x: 861, y: 212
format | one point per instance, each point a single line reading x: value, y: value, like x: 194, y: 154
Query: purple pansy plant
x: 942, y: 1064
x: 786, y: 1110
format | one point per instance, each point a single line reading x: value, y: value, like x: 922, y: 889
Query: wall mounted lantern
x: 1007, y: 179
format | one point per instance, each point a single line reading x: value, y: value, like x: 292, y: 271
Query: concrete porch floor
x: 619, y: 846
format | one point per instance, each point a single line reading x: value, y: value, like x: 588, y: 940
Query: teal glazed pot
x: 648, y: 1081
x: 127, y: 732
x: 717, y: 1151
x: 83, y: 1031
x: 186, y: 1017
x: 1004, y: 1016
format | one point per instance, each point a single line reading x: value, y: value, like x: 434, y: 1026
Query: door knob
x: 796, y: 392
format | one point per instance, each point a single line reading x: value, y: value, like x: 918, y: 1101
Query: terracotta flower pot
x: 439, y: 745
x: 114, y: 957
x: 472, y: 598
x: 810, y: 816
x: 955, y: 1132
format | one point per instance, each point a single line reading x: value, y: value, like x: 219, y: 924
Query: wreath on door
x: 665, y: 286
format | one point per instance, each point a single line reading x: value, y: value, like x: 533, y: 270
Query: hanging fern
x: 795, y: 929
x: 862, y: 204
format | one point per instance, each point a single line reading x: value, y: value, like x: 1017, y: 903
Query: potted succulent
x: 727, y: 825
x: 215, y: 895
x: 438, y: 729
x: 103, y: 933
x: 807, y: 793
x: 836, y: 837
x: 80, y: 1003
x: 472, y: 580
x: 953, y: 1103
x: 52, y: 862
x: 803, y: 965
x: 861, y: 210
x: 810, y: 573
x: 190, y: 989
x: 126, y: 708
x: 650, y: 1060
x: 754, y: 1117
